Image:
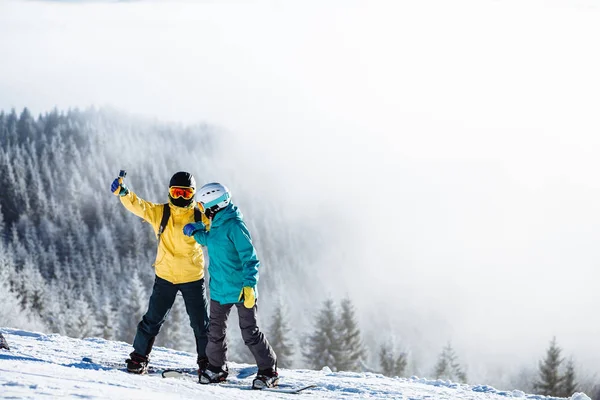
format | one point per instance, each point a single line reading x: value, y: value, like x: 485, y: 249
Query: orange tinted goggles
x: 178, y: 191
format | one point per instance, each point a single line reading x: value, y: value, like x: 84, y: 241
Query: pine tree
x: 392, y: 364
x: 236, y: 346
x: 32, y: 288
x: 569, y: 386
x: 386, y: 360
x: 135, y: 304
x: 352, y: 351
x: 56, y: 313
x: 171, y: 334
x: 81, y: 321
x: 2, y: 226
x: 25, y: 126
x: 279, y: 337
x: 550, y: 381
x: 11, y: 313
x: 447, y: 366
x: 322, y: 347
x: 400, y: 365
x: 108, y: 320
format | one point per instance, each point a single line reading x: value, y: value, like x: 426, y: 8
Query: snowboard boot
x: 266, y: 378
x: 213, y: 374
x: 202, y: 365
x: 137, y: 363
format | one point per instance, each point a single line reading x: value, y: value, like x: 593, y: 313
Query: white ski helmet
x: 214, y: 194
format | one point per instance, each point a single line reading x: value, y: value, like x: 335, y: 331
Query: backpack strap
x: 167, y: 214
x: 164, y: 220
x: 197, y: 214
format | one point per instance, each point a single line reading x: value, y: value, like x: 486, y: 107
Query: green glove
x: 248, y: 296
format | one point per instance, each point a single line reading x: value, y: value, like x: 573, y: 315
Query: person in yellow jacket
x: 179, y: 266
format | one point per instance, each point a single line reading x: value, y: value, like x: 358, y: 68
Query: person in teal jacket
x: 233, y: 270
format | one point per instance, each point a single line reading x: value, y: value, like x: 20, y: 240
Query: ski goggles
x: 180, y: 191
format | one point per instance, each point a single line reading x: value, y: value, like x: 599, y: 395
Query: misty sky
x: 455, y: 144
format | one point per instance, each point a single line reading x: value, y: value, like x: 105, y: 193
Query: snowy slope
x: 40, y: 366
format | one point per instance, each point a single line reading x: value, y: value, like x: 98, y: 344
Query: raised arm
x: 149, y: 212
x: 144, y: 209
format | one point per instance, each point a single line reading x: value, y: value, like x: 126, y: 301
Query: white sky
x: 460, y: 139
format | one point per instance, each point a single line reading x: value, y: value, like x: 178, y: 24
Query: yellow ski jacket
x: 179, y: 259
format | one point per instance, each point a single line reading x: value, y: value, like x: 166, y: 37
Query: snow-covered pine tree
x: 447, y: 366
x: 9, y: 305
x: 55, y: 315
x: 569, y: 384
x: 11, y: 313
x: 108, y: 320
x: 279, y: 337
x: 550, y: 381
x: 238, y: 351
x: 352, y: 351
x: 81, y: 322
x: 26, y: 126
x: 322, y: 347
x: 16, y: 247
x: 31, y: 287
x: 173, y: 333
x: 134, y: 305
x: 2, y: 226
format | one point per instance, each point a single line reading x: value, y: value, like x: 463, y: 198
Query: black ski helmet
x: 183, y: 179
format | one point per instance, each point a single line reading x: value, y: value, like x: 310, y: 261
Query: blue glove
x: 192, y: 228
x: 119, y: 188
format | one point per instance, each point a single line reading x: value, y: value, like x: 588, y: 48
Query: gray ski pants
x: 216, y: 349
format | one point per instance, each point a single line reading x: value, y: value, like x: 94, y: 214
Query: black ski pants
x: 161, y: 301
x: 216, y: 350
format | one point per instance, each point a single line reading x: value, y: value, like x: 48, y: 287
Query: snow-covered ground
x: 41, y: 366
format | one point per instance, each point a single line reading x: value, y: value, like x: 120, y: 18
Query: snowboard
x: 122, y: 367
x: 178, y: 374
x: 191, y: 374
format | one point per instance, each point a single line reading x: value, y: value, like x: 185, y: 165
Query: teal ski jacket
x: 233, y: 263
